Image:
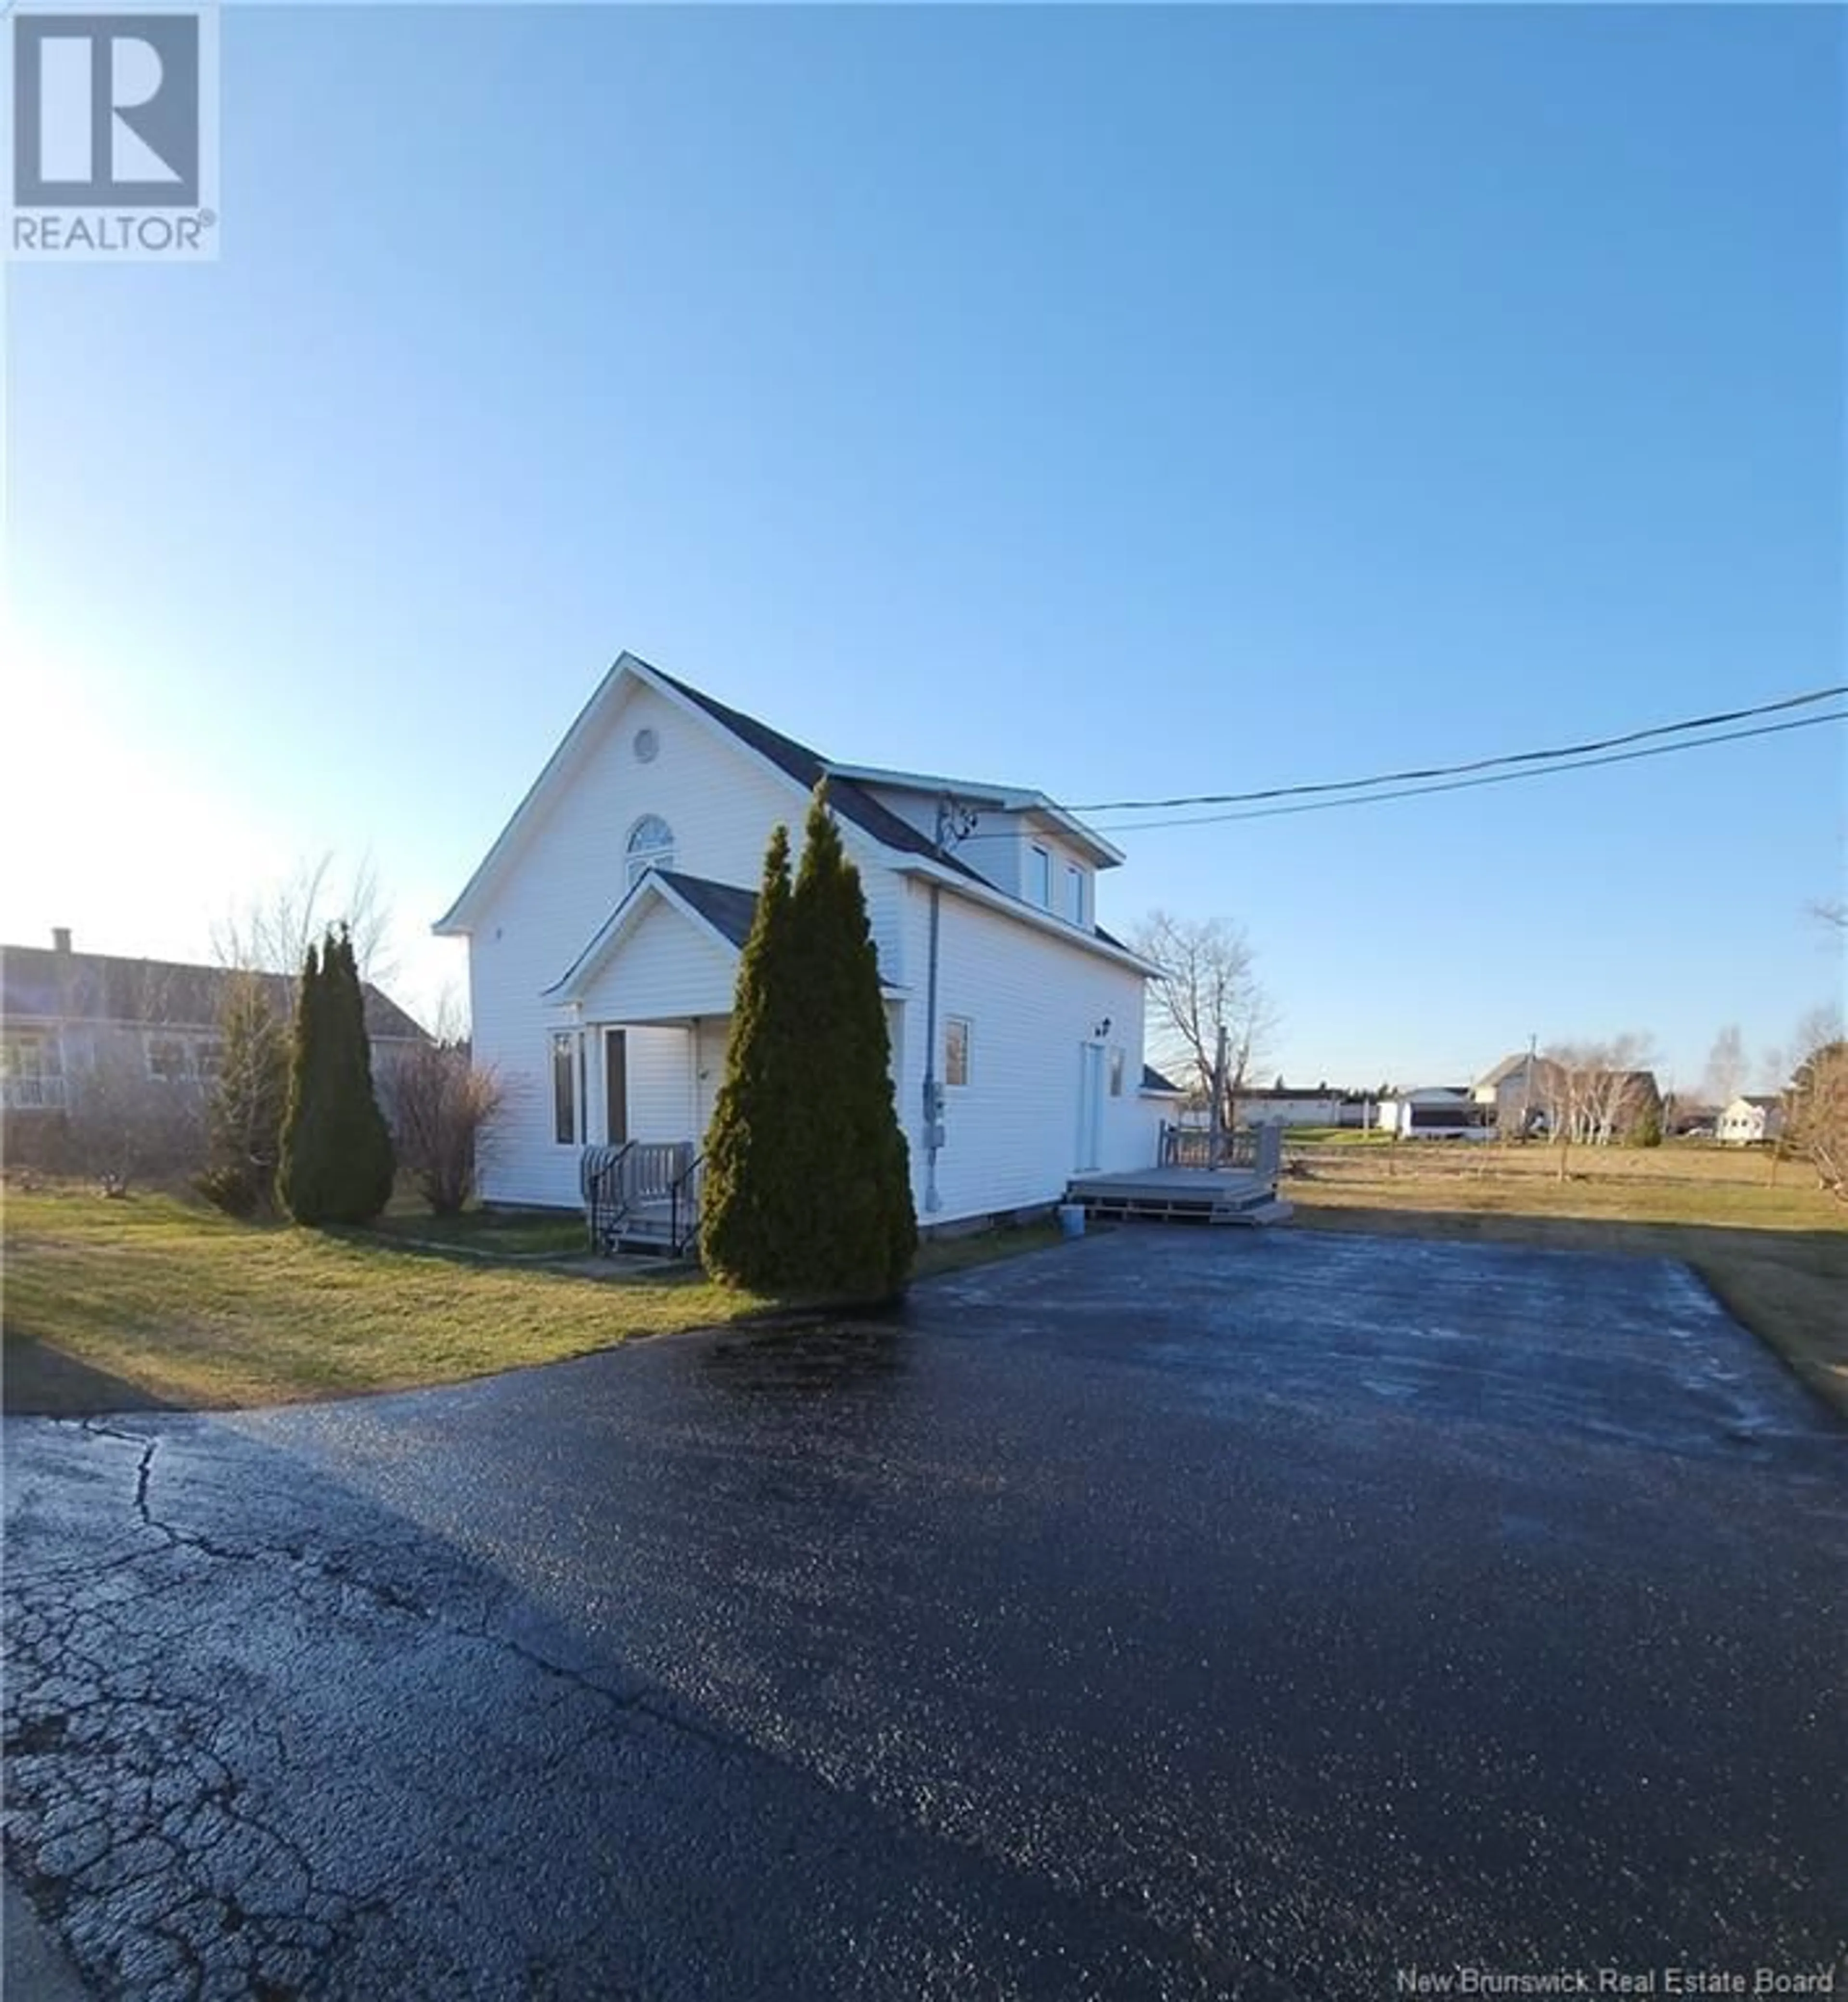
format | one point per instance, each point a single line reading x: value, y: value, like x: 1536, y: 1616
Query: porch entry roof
x: 720, y: 911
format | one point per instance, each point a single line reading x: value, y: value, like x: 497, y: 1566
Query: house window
x: 1075, y: 895
x: 564, y: 1090
x: 29, y: 1056
x: 1116, y: 1071
x: 650, y: 846
x: 208, y: 1059
x: 1039, y: 876
x: 166, y: 1058
x: 955, y: 1051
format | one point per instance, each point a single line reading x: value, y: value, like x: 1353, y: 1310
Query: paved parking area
x: 1174, y: 1614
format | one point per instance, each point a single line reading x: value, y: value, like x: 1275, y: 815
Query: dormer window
x: 1039, y: 876
x: 650, y: 846
x: 1075, y: 893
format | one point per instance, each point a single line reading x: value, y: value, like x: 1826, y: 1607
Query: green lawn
x: 151, y: 1300
x: 517, y: 1234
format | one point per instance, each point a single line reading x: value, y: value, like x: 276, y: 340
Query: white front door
x: 1090, y: 1107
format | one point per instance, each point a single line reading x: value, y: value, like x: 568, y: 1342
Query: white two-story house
x: 604, y: 926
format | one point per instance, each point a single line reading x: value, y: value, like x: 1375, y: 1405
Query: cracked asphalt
x: 1174, y: 1614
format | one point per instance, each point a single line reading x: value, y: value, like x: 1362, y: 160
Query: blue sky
x: 1122, y: 401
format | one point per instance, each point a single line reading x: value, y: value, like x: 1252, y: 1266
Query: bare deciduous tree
x: 1208, y: 983
x: 247, y: 1100
x: 1816, y: 1114
x: 136, y: 1098
x: 444, y: 1112
x: 1594, y: 1091
x: 125, y: 1123
x: 273, y: 932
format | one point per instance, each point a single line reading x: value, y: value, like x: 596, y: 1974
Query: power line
x: 1465, y: 785
x: 1475, y: 765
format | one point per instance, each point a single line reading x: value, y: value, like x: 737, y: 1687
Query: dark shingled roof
x: 38, y: 982
x: 1152, y: 1080
x: 851, y: 800
x: 729, y: 911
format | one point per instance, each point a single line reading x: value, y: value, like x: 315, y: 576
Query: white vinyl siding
x: 569, y: 873
x: 1010, y: 1137
x: 1034, y: 990
x: 669, y: 967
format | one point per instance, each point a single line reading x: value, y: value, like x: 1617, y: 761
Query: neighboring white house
x: 604, y: 926
x: 1749, y: 1120
x: 1288, y: 1105
x: 1436, y: 1112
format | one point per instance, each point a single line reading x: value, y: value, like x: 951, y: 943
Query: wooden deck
x: 1181, y: 1195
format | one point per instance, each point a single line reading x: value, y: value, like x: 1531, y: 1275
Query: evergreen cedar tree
x: 807, y: 1182
x: 337, y: 1166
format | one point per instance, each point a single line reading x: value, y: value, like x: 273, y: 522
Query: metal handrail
x: 686, y: 1180
x: 603, y: 1183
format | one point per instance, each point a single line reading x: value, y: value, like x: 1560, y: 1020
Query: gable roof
x: 1012, y: 799
x: 1507, y: 1068
x: 730, y: 911
x: 721, y: 908
x: 1153, y: 1082
x: 797, y: 761
x: 38, y: 983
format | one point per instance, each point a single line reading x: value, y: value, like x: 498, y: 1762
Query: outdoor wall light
x: 1103, y: 1028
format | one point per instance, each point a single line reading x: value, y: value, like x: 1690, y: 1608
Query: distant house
x: 1748, y: 1121
x: 1435, y: 1112
x: 1518, y: 1088
x: 66, y: 1014
x: 1534, y: 1094
x: 1299, y: 1105
x: 1683, y: 1118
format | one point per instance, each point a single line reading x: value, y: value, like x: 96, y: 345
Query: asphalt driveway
x: 1174, y: 1614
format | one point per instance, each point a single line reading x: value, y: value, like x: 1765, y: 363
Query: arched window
x: 650, y: 846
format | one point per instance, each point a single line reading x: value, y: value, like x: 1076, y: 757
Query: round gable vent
x: 647, y: 747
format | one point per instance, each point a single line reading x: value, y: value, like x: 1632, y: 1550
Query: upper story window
x: 1075, y: 893
x: 29, y: 1056
x: 1039, y: 876
x: 650, y: 846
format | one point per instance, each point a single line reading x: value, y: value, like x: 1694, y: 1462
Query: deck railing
x: 1258, y: 1149
x: 617, y: 1181
x: 33, y: 1094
